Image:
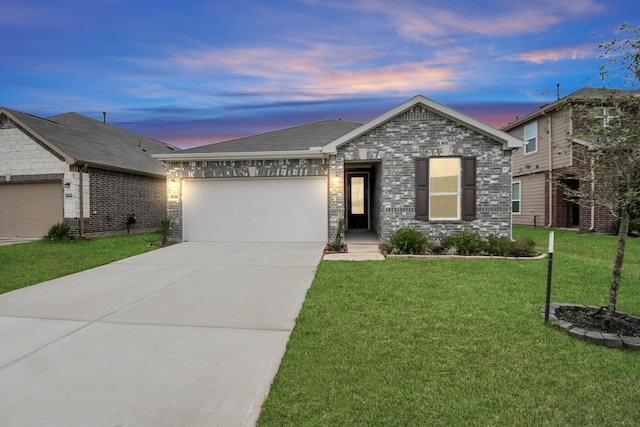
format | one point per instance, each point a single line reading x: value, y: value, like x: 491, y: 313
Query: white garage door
x: 255, y: 209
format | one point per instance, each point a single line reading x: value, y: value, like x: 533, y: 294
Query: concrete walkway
x: 189, y: 335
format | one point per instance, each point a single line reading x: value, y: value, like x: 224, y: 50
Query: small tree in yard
x: 608, y: 128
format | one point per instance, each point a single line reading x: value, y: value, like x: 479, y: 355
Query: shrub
x: 498, y: 246
x: 467, y: 242
x: 408, y: 240
x: 58, y: 233
x: 165, y: 225
x: 522, y: 247
x: 336, y: 245
x: 634, y: 226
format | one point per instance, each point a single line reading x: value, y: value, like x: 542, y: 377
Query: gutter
x: 311, y: 153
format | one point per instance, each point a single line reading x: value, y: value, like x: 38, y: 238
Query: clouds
x: 192, y: 68
x: 555, y: 54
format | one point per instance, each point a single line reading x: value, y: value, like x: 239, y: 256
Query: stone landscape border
x: 594, y: 337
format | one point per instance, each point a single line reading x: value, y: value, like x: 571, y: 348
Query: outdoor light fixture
x: 67, y: 184
x: 336, y: 179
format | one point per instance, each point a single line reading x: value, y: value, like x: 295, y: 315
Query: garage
x: 255, y: 209
x: 29, y: 209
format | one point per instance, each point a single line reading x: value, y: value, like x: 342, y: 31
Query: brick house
x: 75, y: 169
x: 551, y: 154
x: 420, y: 164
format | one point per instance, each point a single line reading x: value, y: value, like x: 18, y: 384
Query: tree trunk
x: 617, y: 265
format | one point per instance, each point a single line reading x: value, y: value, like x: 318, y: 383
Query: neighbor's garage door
x: 256, y: 209
x: 29, y: 210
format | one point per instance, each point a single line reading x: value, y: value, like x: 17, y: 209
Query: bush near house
x: 634, y: 226
x: 408, y: 240
x: 467, y: 243
x: 58, y: 233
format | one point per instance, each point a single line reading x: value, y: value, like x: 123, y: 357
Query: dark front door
x: 358, y: 201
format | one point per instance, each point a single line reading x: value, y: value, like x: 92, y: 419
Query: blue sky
x: 197, y: 72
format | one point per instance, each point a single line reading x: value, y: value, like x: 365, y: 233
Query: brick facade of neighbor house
x: 420, y: 133
x: 249, y: 169
x: 108, y: 196
x: 116, y: 195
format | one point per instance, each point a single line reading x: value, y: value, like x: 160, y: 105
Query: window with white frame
x: 444, y: 188
x: 604, y: 115
x: 531, y: 138
x: 515, y: 197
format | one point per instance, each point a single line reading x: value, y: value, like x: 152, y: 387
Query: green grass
x: 26, y: 264
x: 458, y: 343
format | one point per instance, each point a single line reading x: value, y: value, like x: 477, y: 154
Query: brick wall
x: 422, y: 133
x: 115, y: 195
x: 393, y: 147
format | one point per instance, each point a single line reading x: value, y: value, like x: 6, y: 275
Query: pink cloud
x: 324, y: 70
x: 556, y: 54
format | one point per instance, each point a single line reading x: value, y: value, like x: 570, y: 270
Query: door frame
x: 367, y: 197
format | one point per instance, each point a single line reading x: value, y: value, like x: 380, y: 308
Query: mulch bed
x: 594, y: 320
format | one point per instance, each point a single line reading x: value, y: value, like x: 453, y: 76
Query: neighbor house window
x: 604, y: 115
x: 446, y: 188
x: 531, y: 138
x: 515, y: 197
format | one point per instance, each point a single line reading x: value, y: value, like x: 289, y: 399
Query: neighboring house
x: 75, y: 169
x: 420, y: 164
x: 553, y: 154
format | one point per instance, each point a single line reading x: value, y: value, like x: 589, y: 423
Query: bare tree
x: 607, y: 140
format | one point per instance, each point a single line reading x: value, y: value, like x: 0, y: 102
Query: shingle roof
x: 300, y: 137
x: 91, y: 141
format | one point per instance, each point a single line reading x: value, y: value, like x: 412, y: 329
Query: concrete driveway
x: 188, y: 335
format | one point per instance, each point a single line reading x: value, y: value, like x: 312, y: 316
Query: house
x: 553, y: 155
x: 420, y: 164
x: 85, y: 172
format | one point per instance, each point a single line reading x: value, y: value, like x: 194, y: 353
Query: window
x: 531, y: 138
x: 604, y: 115
x: 446, y: 188
x: 515, y: 197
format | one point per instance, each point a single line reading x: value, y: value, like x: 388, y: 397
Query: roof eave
x: 67, y: 157
x: 249, y: 155
x: 95, y: 165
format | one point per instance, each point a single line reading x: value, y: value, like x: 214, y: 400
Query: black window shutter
x: 468, y: 188
x: 422, y: 188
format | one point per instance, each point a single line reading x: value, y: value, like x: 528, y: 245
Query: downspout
x: 82, y: 171
x: 550, y: 133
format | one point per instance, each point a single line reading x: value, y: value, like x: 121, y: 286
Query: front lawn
x: 25, y: 264
x: 458, y: 343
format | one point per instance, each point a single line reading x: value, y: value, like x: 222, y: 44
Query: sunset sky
x: 196, y: 72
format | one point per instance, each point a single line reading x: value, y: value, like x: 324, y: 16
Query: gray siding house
x: 75, y: 169
x: 421, y: 164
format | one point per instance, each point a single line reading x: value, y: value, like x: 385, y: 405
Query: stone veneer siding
x: 245, y: 169
x: 393, y: 147
x: 421, y: 133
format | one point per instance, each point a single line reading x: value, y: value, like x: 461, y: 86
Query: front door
x: 357, y: 201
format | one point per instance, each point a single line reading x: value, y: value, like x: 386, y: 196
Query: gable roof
x: 582, y: 95
x: 509, y: 142
x: 82, y: 140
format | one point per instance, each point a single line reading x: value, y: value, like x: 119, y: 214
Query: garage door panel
x: 29, y: 209
x: 278, y: 209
